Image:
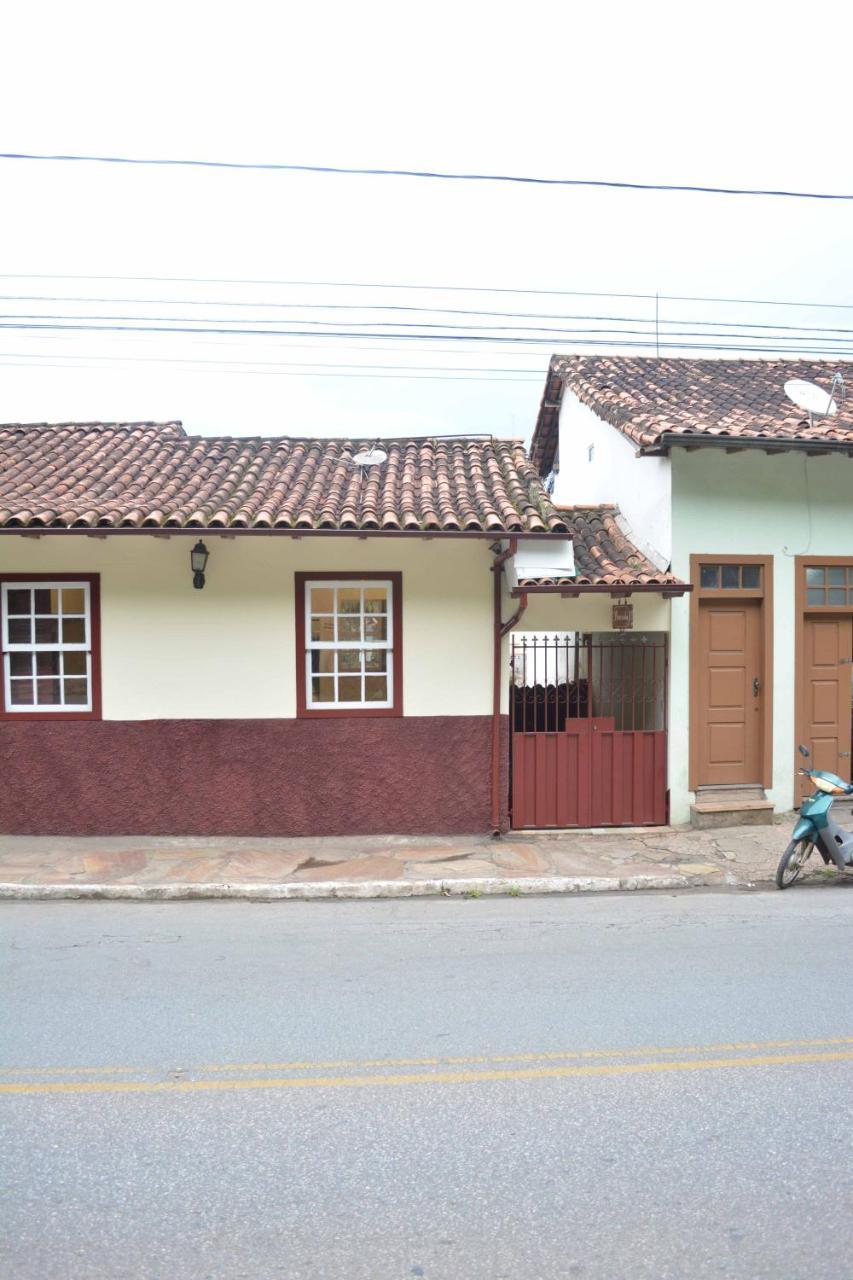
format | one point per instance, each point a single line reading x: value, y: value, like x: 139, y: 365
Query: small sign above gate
x: 622, y: 618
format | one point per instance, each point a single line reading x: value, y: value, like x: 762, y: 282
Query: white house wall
x: 612, y: 474
x: 753, y: 504
x: 228, y: 651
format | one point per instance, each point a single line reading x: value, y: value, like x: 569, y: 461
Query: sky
x: 726, y: 94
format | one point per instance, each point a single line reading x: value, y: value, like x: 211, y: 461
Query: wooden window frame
x: 764, y: 594
x: 801, y: 609
x: 303, y: 711
x: 93, y: 581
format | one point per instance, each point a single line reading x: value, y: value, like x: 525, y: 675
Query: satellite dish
x: 372, y: 457
x: 817, y: 402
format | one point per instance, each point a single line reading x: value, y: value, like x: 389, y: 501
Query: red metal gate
x: 588, y: 721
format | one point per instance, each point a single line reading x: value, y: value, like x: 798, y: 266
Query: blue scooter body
x: 832, y: 841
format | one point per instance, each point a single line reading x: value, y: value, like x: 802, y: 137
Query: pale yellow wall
x: 228, y: 651
x: 593, y: 613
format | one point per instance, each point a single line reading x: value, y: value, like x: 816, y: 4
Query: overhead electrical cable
x: 438, y: 175
x: 380, y: 307
x: 440, y: 337
x: 433, y: 288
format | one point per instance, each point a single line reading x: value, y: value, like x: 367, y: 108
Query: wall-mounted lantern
x: 198, y: 559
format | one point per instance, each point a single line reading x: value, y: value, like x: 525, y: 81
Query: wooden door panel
x: 730, y: 713
x: 828, y: 645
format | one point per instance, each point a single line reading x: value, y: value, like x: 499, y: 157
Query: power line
x: 347, y: 171
x: 431, y: 288
x: 173, y: 324
x: 395, y: 308
x: 291, y: 373
x: 407, y: 337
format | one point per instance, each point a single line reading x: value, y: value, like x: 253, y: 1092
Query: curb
x: 338, y: 889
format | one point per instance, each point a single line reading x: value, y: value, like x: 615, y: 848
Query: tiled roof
x: 603, y: 555
x: 660, y: 402
x: 153, y: 475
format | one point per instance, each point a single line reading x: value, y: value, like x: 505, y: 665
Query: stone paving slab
x: 569, y: 861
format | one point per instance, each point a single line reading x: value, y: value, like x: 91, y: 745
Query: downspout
x: 501, y: 629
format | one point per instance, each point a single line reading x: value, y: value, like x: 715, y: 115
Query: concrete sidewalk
x: 389, y: 866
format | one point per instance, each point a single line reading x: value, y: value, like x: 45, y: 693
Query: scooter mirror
x: 804, y: 751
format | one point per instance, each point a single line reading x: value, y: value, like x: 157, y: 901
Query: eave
x: 669, y: 590
x: 739, y: 444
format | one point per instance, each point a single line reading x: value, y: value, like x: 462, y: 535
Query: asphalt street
x: 488, y: 1089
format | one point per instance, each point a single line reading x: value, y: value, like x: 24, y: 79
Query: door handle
x: 756, y: 686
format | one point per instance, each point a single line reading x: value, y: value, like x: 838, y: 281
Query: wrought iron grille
x: 556, y: 678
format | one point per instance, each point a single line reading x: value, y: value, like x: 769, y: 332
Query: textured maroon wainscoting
x: 247, y: 777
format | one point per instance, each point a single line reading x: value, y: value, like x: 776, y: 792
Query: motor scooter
x: 816, y: 829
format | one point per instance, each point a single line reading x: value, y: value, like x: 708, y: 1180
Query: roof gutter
x: 618, y: 590
x: 736, y: 444
x: 219, y: 531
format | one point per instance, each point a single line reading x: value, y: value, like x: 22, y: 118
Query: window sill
x: 347, y: 713
x: 31, y: 716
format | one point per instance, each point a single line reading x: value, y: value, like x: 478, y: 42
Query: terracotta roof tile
x: 153, y: 475
x: 604, y: 556
x: 651, y: 400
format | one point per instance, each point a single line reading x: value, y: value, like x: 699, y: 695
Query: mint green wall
x: 752, y: 504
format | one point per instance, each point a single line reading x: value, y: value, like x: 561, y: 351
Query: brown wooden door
x: 828, y: 644
x: 731, y: 692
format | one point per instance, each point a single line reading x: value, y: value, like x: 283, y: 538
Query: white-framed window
x: 349, y: 644
x: 47, y: 646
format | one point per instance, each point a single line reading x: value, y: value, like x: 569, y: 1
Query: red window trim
x: 373, y: 575
x: 94, y: 583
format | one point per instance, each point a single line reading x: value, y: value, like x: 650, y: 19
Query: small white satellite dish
x: 817, y: 402
x: 372, y: 457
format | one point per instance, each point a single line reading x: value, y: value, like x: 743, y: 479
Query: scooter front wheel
x: 792, y: 862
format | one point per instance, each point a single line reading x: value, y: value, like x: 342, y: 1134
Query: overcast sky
x: 745, y: 94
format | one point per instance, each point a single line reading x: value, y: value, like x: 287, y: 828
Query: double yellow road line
x: 385, y: 1072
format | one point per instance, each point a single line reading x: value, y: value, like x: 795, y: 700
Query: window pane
x: 47, y: 693
x: 349, y: 599
x: 376, y: 688
x: 322, y: 660
x: 18, y: 601
x: 751, y: 576
x: 349, y: 660
x: 20, y: 664
x: 47, y: 630
x: 20, y: 631
x: 376, y: 628
x: 73, y: 630
x: 731, y: 576
x: 322, y: 629
x: 46, y: 601
x: 322, y: 689
x: 74, y: 664
x: 322, y: 599
x: 47, y: 664
x: 349, y: 628
x: 837, y: 595
x: 349, y: 688
x: 76, y: 692
x: 836, y: 577
x: 375, y: 600
x: 815, y: 577
x: 815, y: 595
x: 22, y: 693
x: 73, y: 600
x: 374, y: 659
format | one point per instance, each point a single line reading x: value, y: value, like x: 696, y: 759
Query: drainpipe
x: 501, y: 629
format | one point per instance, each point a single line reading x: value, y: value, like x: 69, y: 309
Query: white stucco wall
x: 228, y: 651
x: 640, y: 487
x: 753, y: 504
